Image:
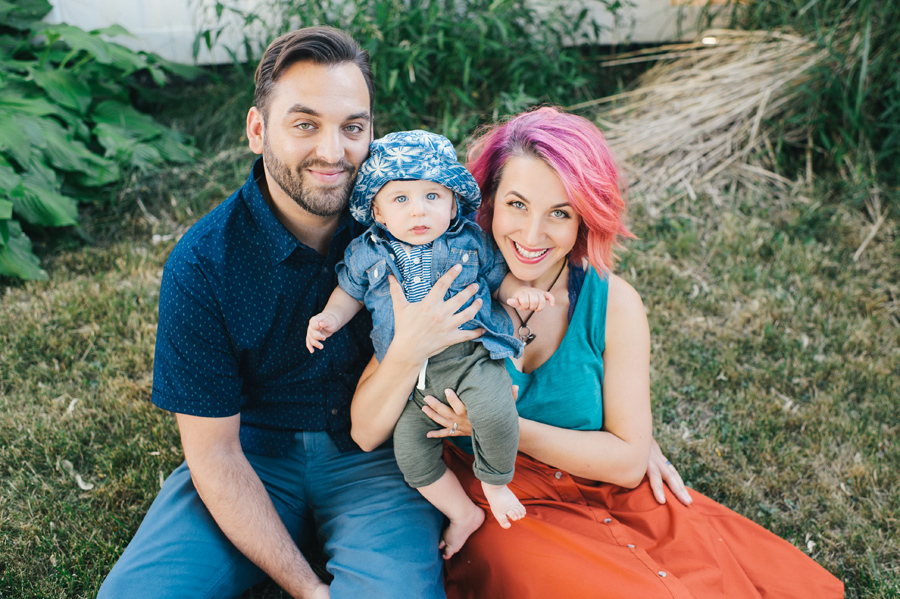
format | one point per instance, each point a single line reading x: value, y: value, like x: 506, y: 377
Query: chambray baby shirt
x: 237, y: 294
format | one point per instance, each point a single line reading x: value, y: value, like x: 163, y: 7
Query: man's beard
x: 321, y: 201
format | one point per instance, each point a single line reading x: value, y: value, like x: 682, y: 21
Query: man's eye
x: 305, y: 126
x: 354, y: 128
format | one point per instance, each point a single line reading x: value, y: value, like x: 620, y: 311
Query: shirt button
x: 607, y: 520
x: 417, y: 279
x: 558, y: 475
x: 393, y: 257
x: 334, y: 412
x: 374, y: 238
x: 465, y: 257
x: 661, y: 573
x: 416, y: 260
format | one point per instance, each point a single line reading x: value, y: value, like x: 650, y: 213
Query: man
x: 270, y: 464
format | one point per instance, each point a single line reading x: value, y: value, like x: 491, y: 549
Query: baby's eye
x: 431, y: 196
x: 400, y: 199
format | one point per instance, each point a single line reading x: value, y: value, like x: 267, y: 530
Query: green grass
x: 774, y: 373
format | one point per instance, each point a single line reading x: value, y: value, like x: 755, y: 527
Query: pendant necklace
x: 524, y: 332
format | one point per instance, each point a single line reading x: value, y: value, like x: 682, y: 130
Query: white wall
x: 168, y: 27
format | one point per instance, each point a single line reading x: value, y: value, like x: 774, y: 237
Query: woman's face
x: 534, y: 225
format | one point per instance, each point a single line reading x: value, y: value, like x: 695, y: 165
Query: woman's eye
x: 517, y: 204
x: 560, y: 214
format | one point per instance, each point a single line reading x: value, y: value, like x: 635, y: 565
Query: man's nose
x: 330, y: 147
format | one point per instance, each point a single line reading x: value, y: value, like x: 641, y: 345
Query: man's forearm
x: 240, y: 505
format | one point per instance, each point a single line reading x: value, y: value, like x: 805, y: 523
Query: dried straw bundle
x: 693, y: 122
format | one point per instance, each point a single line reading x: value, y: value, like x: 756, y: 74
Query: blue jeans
x: 380, y: 536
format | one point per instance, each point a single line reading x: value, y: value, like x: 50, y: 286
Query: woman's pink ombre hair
x: 576, y: 150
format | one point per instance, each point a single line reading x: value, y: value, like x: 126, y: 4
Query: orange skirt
x: 583, y: 539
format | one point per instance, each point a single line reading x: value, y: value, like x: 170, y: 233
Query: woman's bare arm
x: 421, y: 330
x: 619, y: 453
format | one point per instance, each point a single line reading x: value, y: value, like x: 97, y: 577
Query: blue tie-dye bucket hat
x: 408, y: 156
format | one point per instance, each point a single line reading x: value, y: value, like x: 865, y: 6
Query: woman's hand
x: 661, y: 472
x: 453, y: 418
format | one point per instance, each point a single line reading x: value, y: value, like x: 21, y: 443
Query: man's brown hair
x: 320, y: 45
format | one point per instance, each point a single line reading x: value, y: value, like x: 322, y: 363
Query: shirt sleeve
x: 196, y: 368
x: 351, y: 271
x: 494, y: 266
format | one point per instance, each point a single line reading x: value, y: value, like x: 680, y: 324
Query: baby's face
x: 415, y: 212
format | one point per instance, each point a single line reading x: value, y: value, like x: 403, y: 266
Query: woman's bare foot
x: 504, y: 504
x: 459, y: 530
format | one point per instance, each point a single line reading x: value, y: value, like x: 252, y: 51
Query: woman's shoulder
x: 624, y: 305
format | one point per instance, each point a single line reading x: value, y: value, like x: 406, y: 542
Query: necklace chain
x: 524, y: 331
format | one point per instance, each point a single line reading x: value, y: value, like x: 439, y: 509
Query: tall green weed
x: 446, y: 65
x: 853, y: 100
x: 67, y: 125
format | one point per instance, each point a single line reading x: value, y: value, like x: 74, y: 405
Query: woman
x: 552, y: 203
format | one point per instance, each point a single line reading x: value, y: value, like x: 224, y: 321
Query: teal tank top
x: 567, y: 390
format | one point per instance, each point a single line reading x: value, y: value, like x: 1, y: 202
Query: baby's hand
x: 529, y: 298
x: 321, y: 327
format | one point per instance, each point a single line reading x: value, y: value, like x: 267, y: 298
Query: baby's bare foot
x: 504, y: 504
x: 459, y: 530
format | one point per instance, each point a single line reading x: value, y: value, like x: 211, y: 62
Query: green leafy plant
x: 67, y: 126
x: 445, y: 65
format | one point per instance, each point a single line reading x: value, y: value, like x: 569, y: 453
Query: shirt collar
x: 279, y: 242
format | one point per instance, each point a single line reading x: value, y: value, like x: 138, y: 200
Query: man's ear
x: 256, y: 129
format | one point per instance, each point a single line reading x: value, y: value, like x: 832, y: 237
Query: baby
x: 412, y: 191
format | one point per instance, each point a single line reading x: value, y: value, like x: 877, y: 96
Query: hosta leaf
x: 171, y: 148
x: 132, y: 123
x: 71, y: 155
x: 4, y: 230
x: 17, y: 259
x: 113, y: 31
x: 125, y: 59
x: 78, y: 39
x: 64, y: 88
x: 185, y: 71
x: 9, y: 180
x: 14, y: 139
x: 43, y: 206
x: 25, y: 12
x: 38, y: 199
x: 5, y: 209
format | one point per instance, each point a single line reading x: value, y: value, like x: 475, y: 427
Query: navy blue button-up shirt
x: 237, y: 294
